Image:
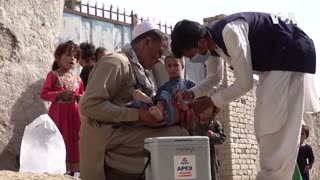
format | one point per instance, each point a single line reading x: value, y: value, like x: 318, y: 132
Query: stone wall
x: 28, y: 36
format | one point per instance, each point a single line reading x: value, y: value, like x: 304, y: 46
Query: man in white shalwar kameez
x: 281, y: 55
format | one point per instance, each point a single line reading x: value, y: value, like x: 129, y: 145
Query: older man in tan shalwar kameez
x: 112, y: 135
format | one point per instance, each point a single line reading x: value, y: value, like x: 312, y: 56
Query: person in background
x: 208, y: 125
x: 100, y: 52
x: 281, y: 54
x: 305, y: 158
x: 174, y: 67
x: 88, y: 60
x: 63, y: 90
x: 87, y: 54
x: 112, y: 134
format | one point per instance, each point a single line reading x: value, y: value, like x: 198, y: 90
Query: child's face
x: 303, y: 137
x: 90, y: 61
x: 67, y: 60
x: 173, y: 67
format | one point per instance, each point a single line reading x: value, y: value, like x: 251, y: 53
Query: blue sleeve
x: 190, y: 84
x: 136, y: 104
x: 165, y: 96
x: 159, y: 90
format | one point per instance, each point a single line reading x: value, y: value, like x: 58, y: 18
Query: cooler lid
x: 176, y: 138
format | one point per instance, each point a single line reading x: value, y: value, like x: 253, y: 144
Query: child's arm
x: 47, y: 92
x: 310, y: 156
x: 80, y: 91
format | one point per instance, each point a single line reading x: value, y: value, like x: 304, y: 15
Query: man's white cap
x: 142, y: 28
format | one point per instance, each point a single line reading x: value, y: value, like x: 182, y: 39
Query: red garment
x: 65, y: 114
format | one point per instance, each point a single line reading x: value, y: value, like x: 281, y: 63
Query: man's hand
x: 306, y: 169
x: 175, y: 93
x: 78, y: 97
x: 188, y: 119
x: 201, y: 104
x: 186, y: 95
x: 147, y: 119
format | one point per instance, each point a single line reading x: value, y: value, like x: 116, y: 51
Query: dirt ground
x: 11, y: 175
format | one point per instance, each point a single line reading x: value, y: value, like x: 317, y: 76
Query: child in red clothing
x: 63, y: 90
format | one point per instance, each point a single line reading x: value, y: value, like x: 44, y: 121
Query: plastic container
x: 178, y: 158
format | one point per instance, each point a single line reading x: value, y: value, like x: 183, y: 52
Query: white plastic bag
x: 42, y: 148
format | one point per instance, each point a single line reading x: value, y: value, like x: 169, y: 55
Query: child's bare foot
x: 158, y: 109
x: 156, y: 112
x: 140, y: 96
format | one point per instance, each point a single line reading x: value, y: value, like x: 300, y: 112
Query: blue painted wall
x: 100, y: 33
x: 82, y: 29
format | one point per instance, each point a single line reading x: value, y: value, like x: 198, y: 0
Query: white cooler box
x: 172, y: 158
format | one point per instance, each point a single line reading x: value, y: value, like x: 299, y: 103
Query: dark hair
x: 68, y: 46
x: 155, y: 35
x: 172, y: 56
x: 306, y: 130
x: 87, y: 50
x: 185, y: 35
x: 100, y: 50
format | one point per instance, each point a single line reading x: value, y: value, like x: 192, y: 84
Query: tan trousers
x: 121, y: 148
